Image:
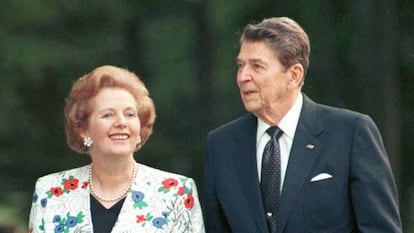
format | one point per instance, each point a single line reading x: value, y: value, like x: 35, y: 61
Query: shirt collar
x: 288, y: 123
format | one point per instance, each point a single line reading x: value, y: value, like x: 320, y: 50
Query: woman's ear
x: 83, y: 133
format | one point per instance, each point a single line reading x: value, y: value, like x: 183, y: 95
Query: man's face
x: 263, y: 81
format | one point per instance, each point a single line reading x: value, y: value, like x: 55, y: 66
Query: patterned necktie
x: 270, y: 183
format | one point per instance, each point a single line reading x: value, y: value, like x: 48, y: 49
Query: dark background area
x: 362, y: 58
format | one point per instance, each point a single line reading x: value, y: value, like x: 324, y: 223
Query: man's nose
x: 244, y: 74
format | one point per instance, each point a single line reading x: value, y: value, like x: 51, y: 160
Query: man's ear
x: 296, y: 73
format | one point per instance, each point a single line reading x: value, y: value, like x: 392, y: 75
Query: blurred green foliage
x: 362, y: 58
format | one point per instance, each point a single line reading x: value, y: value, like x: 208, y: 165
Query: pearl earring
x: 87, y: 142
x: 139, y: 140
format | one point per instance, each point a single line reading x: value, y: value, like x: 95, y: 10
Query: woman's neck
x: 111, y: 181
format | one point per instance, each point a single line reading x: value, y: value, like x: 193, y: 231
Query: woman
x: 109, y: 115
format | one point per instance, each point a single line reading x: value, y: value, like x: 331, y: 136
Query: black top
x: 104, y: 219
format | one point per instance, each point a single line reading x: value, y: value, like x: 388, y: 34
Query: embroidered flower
x: 141, y: 218
x: 181, y: 190
x: 70, y: 184
x: 167, y: 184
x: 176, y: 201
x: 70, y: 221
x: 56, y: 191
x: 85, y: 184
x: 59, y: 228
x: 35, y: 197
x: 43, y: 202
x: 56, y: 218
x: 189, y: 201
x: 138, y: 198
x: 159, y: 222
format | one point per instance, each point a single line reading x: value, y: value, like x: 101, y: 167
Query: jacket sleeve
x: 196, y: 219
x: 35, y: 217
x: 216, y: 222
x: 373, y: 190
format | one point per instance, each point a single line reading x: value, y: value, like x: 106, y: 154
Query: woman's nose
x: 121, y: 121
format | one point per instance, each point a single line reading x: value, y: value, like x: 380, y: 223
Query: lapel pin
x: 310, y: 146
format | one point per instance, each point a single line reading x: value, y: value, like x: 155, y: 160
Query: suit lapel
x: 246, y: 166
x: 124, y: 216
x: 305, y: 150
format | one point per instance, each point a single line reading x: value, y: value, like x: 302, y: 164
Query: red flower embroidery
x: 181, y: 190
x: 71, y: 184
x: 141, y: 218
x: 84, y: 184
x: 56, y: 191
x: 170, y: 182
x: 189, y: 201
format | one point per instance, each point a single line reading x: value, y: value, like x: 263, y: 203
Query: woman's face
x: 114, y: 125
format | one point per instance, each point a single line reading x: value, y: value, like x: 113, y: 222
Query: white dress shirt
x: 288, y: 125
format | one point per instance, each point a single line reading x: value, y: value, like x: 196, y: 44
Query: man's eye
x: 257, y: 66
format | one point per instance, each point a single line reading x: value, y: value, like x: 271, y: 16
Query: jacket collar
x: 305, y: 151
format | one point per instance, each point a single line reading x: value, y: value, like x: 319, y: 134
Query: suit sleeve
x: 373, y: 190
x: 216, y: 221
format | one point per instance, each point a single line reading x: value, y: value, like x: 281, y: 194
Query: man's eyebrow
x: 256, y: 60
x: 251, y: 60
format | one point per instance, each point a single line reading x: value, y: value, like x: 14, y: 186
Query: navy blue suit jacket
x: 361, y: 195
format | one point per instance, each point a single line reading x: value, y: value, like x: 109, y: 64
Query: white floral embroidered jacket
x: 158, y: 201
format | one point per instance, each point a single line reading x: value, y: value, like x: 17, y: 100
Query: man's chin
x: 250, y: 107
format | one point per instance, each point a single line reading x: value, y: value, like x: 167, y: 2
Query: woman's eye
x: 131, y: 114
x: 106, y: 115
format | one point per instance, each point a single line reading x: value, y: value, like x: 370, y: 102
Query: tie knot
x: 274, y: 132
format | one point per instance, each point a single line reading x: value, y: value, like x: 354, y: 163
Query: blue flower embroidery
x: 159, y: 222
x: 43, y: 202
x: 72, y: 221
x: 63, y: 224
x: 35, y: 197
x: 138, y: 198
x: 59, y: 228
x: 56, y: 219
